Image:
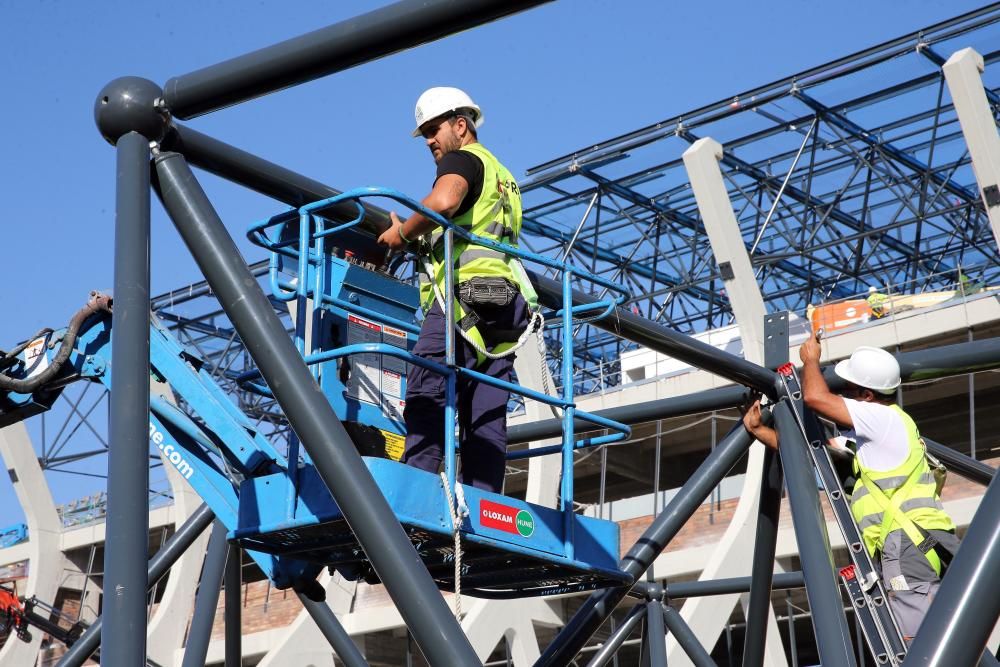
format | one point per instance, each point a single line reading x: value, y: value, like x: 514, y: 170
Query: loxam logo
x: 170, y: 452
x: 505, y: 518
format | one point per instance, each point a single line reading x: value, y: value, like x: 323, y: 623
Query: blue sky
x: 551, y: 80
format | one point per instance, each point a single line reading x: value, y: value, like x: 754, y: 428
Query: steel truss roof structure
x: 834, y: 192
x: 847, y: 175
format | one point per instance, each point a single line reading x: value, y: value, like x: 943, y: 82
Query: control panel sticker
x: 392, y: 383
x: 396, y: 338
x: 366, y: 371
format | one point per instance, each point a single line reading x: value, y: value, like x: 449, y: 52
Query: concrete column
x: 44, y: 528
x: 963, y: 73
x: 707, y: 616
x: 543, y: 471
x: 303, y: 643
x: 490, y: 621
x: 166, y: 629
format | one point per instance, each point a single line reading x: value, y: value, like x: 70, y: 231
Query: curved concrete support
x: 963, y: 73
x: 44, y: 529
x: 303, y: 643
x: 166, y: 629
x: 489, y: 621
x: 543, y: 471
x: 707, y: 616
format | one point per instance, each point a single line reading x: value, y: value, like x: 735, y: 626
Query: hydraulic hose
x: 97, y: 303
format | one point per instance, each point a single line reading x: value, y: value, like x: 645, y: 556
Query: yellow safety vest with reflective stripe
x: 496, y: 215
x: 899, y: 499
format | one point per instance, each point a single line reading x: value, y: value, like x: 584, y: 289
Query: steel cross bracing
x: 882, y: 193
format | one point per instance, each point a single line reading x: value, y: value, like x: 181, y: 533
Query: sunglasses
x: 432, y: 130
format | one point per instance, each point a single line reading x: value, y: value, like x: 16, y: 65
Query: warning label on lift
x: 374, y: 378
x: 394, y: 444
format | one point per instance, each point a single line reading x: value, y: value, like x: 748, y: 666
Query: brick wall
x: 263, y: 607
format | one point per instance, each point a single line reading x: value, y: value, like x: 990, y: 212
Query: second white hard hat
x: 438, y: 101
x: 872, y: 368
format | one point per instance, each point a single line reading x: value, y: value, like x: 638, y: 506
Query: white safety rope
x: 458, y: 509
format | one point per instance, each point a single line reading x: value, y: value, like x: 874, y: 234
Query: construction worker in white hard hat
x: 492, y: 309
x: 896, y: 500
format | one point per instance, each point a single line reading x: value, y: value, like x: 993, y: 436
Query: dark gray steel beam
x: 168, y: 554
x: 776, y: 336
x: 347, y: 651
x: 618, y: 637
x: 233, y: 607
x: 948, y: 360
x: 123, y: 641
x: 759, y: 604
x: 690, y: 589
x: 965, y: 608
x: 311, y: 417
x: 657, y: 337
x: 207, y: 599
x: 686, y: 638
x: 656, y: 634
x: 665, y: 526
x: 267, y: 178
x: 825, y: 604
x: 334, y: 48
x: 964, y: 465
x: 932, y: 363
x: 709, y: 400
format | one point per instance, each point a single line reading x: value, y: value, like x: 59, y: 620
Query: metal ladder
x: 861, y: 579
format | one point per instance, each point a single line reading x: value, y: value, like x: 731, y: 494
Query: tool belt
x: 486, y: 292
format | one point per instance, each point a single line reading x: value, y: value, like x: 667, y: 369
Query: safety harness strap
x: 893, y: 515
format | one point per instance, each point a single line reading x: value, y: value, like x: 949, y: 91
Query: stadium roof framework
x: 850, y: 175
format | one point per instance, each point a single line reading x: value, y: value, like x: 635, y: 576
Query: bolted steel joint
x: 655, y: 592
x: 131, y: 104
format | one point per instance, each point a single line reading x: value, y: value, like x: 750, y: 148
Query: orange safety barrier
x: 838, y: 315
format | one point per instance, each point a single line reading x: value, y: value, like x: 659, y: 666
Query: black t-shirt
x: 469, y: 167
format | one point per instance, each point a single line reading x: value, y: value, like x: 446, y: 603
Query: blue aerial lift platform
x: 355, y: 324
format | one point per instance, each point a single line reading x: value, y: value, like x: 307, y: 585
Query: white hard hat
x: 872, y: 290
x: 872, y: 368
x: 438, y: 101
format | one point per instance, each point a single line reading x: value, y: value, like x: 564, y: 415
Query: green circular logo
x: 525, y: 523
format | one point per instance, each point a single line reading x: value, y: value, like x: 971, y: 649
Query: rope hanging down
x: 458, y: 509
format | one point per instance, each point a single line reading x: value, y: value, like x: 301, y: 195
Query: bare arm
x: 754, y: 423
x: 445, y: 198
x: 816, y: 393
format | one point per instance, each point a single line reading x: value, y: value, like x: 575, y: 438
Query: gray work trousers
x: 909, y: 579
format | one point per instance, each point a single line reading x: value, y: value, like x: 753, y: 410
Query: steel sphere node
x: 128, y: 104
